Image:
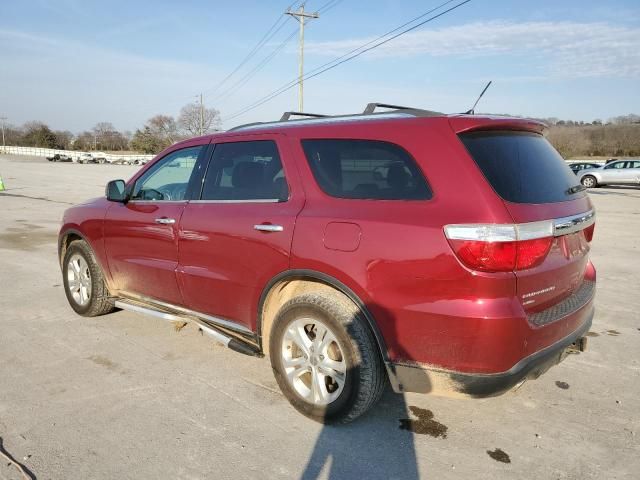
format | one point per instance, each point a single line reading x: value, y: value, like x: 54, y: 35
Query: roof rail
x: 371, y: 107
x: 418, y: 112
x: 287, y: 115
x: 238, y: 127
x: 369, y: 111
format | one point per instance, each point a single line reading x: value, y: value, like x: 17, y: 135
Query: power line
x: 329, y: 5
x: 243, y: 81
x: 271, y: 32
x: 290, y: 84
x: 354, y: 54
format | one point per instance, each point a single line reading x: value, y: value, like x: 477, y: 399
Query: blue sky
x: 73, y: 63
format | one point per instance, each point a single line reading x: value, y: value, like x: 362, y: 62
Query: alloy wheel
x: 313, y: 361
x: 79, y: 280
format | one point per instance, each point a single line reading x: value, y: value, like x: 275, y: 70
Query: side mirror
x: 115, y: 191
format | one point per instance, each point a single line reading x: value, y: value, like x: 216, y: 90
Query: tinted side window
x: 616, y: 165
x: 169, y: 178
x: 365, y: 169
x: 521, y: 167
x: 245, y: 171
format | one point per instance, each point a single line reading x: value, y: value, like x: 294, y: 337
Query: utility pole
x: 2, y: 120
x: 201, y: 129
x: 201, y: 115
x: 301, y: 17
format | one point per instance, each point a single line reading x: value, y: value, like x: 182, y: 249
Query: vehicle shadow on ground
x: 374, y: 446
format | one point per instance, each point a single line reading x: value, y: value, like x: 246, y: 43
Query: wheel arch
x: 288, y: 284
x: 65, y: 239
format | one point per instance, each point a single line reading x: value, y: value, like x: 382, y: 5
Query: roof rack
x: 371, y: 107
x: 369, y: 111
x: 287, y: 115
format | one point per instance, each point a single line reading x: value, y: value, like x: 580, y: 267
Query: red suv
x: 446, y: 253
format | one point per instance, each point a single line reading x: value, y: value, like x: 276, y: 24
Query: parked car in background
x: 60, y: 157
x: 86, y: 158
x: 578, y: 166
x: 620, y: 172
x: 350, y: 253
x: 94, y: 157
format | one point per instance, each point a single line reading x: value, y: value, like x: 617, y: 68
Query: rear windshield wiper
x: 575, y: 189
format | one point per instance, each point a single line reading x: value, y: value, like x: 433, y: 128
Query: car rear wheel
x: 83, y: 281
x: 589, y: 181
x: 325, y: 358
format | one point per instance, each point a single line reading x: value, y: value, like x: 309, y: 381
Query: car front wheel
x: 589, y: 181
x: 83, y: 281
x: 325, y: 358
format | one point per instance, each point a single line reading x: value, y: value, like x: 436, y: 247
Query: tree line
x: 616, y: 137
x: 157, y: 133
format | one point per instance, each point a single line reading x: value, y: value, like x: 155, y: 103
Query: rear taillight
x: 588, y: 232
x: 499, y: 247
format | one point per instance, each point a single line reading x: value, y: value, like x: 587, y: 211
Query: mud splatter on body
x: 562, y: 385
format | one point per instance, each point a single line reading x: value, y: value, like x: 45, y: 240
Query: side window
x: 246, y: 171
x: 616, y: 165
x: 365, y: 169
x: 634, y: 164
x: 169, y: 178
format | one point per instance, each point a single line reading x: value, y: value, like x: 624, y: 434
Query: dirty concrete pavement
x: 125, y: 396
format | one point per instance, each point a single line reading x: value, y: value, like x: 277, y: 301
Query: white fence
x: 49, y: 152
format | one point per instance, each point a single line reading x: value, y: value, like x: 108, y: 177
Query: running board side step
x: 230, y: 342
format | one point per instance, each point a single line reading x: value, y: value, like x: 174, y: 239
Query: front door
x: 238, y: 235
x: 141, y: 236
x: 615, y: 173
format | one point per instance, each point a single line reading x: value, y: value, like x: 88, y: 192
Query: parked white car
x: 621, y: 172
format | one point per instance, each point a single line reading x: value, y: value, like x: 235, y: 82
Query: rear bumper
x: 423, y: 379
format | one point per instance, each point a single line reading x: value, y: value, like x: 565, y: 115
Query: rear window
x: 522, y: 167
x: 365, y: 169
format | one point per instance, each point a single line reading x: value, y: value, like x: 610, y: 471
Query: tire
x: 589, y: 181
x: 350, y: 347
x: 91, y: 299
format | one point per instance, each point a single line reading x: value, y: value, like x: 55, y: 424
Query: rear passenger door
x: 634, y: 170
x: 237, y: 235
x: 615, y: 172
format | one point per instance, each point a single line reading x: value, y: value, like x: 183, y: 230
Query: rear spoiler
x: 469, y: 123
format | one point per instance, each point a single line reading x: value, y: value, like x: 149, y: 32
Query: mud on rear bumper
x: 424, y: 379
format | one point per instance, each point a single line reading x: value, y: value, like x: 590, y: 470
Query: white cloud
x: 560, y: 49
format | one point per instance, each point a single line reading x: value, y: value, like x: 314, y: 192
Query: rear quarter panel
x: 403, y: 268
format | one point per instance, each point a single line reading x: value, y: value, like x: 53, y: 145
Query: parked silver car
x: 621, y: 172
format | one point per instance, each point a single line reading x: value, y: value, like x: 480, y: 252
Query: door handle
x: 264, y: 227
x: 166, y: 221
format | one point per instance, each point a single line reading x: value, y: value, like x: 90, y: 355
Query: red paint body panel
x: 224, y: 262
x: 428, y: 307
x: 142, y: 254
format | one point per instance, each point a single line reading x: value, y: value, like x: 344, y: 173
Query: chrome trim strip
x: 268, y: 228
x: 257, y: 200
x: 215, y: 320
x: 574, y: 223
x: 173, y: 318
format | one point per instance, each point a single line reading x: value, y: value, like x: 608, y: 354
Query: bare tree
x: 64, y: 139
x: 189, y: 119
